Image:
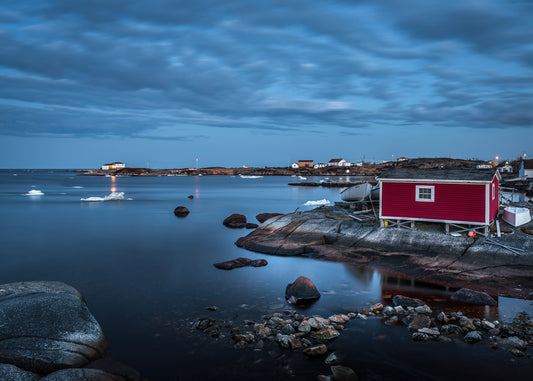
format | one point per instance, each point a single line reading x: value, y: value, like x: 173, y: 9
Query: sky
x: 262, y: 83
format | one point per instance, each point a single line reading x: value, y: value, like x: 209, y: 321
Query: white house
x: 506, y: 168
x: 483, y: 166
x: 338, y: 163
x: 295, y: 166
x: 320, y: 165
x: 113, y: 166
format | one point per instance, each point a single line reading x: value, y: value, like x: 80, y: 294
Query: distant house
x: 305, y: 163
x: 451, y: 196
x: 506, y: 168
x: 295, y: 166
x: 402, y: 159
x: 320, y: 165
x: 483, y: 166
x: 338, y: 163
x: 360, y: 164
x: 113, y: 166
x: 526, y: 168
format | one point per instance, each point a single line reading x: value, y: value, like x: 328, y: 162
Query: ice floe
x: 302, y: 178
x: 318, y: 202
x: 250, y: 177
x: 34, y: 192
x: 77, y: 187
x: 111, y: 197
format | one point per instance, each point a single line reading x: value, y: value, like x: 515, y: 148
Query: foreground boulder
x: 465, y: 295
x: 46, y: 326
x: 235, y: 221
x: 240, y: 262
x: 302, y: 291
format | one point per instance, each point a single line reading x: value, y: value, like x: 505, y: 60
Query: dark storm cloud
x: 135, y: 68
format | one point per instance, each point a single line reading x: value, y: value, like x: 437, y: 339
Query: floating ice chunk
x: 249, y: 177
x: 77, y: 187
x: 302, y: 178
x: 111, y: 197
x: 34, y: 192
x: 318, y: 202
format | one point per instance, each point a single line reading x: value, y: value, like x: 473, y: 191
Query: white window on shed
x: 425, y: 193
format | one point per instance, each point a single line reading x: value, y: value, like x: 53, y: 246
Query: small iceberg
x: 318, y: 202
x: 250, y: 177
x: 34, y: 192
x: 302, y: 178
x: 111, y: 197
x: 77, y: 187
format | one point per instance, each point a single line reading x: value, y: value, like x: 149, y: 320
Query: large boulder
x: 233, y: 264
x: 46, y: 326
x: 302, y: 291
x: 235, y: 221
x: 181, y: 211
x: 12, y: 373
x: 465, y: 295
x: 82, y: 374
x: 404, y: 301
x: 262, y: 217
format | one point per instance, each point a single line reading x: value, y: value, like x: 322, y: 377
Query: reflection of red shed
x: 457, y: 196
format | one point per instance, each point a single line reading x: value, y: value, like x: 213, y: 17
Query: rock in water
x: 343, y: 373
x: 404, y: 301
x: 258, y: 263
x: 302, y: 291
x: 262, y: 217
x: 181, y: 211
x: 235, y: 221
x: 250, y: 225
x: 46, y: 326
x: 233, y: 264
x: 465, y: 295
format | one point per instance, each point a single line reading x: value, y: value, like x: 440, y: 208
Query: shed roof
x: 445, y: 174
x: 335, y: 160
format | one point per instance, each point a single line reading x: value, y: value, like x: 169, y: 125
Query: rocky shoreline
x: 426, y: 253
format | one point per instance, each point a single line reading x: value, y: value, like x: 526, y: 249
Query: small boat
x: 356, y: 192
x: 374, y: 193
x: 516, y: 216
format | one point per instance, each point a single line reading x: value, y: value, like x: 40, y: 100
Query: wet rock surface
x: 262, y: 217
x: 465, y: 295
x: 45, y: 327
x: 428, y: 254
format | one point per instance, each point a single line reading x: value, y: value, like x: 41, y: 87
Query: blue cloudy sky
x: 262, y: 82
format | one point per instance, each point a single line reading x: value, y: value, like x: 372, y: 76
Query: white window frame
x: 430, y: 187
x: 493, y: 191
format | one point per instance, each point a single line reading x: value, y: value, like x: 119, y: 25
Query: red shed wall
x: 453, y: 202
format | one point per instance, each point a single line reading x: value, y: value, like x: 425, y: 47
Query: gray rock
x: 389, y: 311
x: 317, y: 350
x: 304, y: 327
x: 517, y: 352
x: 46, y: 326
x: 376, y: 308
x: 393, y: 320
x: 235, y: 221
x: 416, y: 322
x: 181, y: 211
x: 327, y: 333
x: 332, y: 359
x: 404, y: 301
x: 429, y: 331
x: 339, y: 319
x: 467, y: 323
x: 423, y: 309
x: 318, y: 322
x: 12, y: 373
x: 343, y: 373
x: 465, y: 295
x: 322, y: 377
x: 418, y: 336
x: 81, y: 374
x: 473, y: 337
x: 514, y: 342
x: 287, y: 329
x: 485, y: 324
x: 451, y: 329
x: 116, y: 368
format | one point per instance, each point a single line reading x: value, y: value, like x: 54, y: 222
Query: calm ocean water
x: 146, y: 275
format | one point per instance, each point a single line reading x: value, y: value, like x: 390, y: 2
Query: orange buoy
x: 471, y: 233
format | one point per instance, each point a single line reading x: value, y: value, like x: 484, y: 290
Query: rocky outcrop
x: 302, y: 291
x: 11, y: 372
x: 235, y: 221
x: 425, y: 253
x: 262, y: 217
x: 465, y: 295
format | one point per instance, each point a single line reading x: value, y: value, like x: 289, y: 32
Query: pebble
x: 332, y: 359
x: 418, y: 336
x: 473, y: 337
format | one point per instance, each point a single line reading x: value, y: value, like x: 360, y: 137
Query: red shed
x: 453, y: 195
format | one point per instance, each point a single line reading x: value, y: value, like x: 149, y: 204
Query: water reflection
x: 113, y: 184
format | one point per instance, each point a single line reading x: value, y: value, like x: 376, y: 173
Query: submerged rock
x: 404, y: 301
x: 465, y: 295
x: 302, y: 291
x: 46, y: 326
x: 317, y: 350
x: 258, y: 262
x: 343, y: 373
x: 235, y: 221
x: 473, y: 337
